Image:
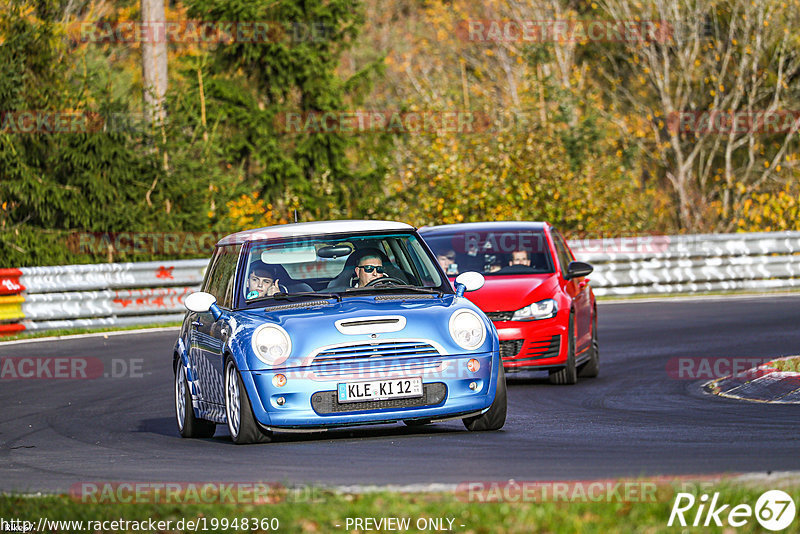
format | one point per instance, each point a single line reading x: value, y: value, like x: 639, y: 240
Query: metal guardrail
x: 43, y: 298
x: 653, y: 265
x: 114, y: 294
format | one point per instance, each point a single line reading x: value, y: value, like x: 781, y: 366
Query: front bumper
x: 533, y: 345
x: 310, y: 403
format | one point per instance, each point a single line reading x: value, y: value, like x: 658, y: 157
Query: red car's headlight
x: 544, y: 309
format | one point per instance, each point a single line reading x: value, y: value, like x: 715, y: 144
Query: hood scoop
x: 371, y: 325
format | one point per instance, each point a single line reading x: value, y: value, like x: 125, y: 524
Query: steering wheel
x: 385, y: 280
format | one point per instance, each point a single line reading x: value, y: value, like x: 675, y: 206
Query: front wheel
x: 592, y: 368
x: 189, y: 426
x: 241, y: 421
x: 495, y: 417
x: 569, y: 373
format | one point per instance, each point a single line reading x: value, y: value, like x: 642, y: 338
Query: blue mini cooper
x: 310, y: 326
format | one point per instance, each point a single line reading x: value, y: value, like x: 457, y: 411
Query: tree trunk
x: 154, y: 60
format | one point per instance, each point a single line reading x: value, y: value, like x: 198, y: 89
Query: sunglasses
x: 370, y: 268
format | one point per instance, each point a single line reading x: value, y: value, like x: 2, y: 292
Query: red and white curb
x: 764, y: 383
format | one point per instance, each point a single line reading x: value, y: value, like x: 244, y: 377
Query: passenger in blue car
x: 262, y: 281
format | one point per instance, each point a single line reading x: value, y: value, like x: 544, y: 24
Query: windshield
x: 339, y: 265
x: 492, y: 253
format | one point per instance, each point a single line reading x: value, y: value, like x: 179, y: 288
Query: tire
x: 568, y: 374
x: 495, y: 417
x: 189, y: 426
x: 238, y: 411
x: 592, y: 368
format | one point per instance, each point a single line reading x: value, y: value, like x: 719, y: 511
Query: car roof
x: 305, y: 229
x: 484, y: 226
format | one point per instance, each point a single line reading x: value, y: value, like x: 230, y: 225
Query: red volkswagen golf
x: 536, y: 294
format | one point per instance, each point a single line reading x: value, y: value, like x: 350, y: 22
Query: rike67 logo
x: 774, y: 510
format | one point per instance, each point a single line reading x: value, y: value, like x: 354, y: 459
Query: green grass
x: 319, y: 510
x: 74, y: 331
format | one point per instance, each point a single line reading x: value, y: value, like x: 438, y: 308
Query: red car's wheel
x: 592, y: 368
x: 569, y: 373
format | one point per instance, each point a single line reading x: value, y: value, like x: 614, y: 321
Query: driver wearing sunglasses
x: 369, y: 268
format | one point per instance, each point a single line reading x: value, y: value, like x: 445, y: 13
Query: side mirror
x: 578, y: 269
x: 201, y: 302
x: 469, y: 281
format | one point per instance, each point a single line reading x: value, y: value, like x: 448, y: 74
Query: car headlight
x: 544, y: 309
x: 467, y: 329
x: 271, y: 344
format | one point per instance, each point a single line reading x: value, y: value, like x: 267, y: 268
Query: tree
x: 251, y: 83
x: 548, y: 153
x: 154, y: 62
x: 724, y: 60
x: 97, y: 177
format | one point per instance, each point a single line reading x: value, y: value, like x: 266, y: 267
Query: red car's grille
x: 510, y: 348
x: 537, y: 349
x: 500, y: 316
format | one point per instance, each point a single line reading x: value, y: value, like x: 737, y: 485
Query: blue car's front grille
x: 397, y: 356
x: 386, y: 349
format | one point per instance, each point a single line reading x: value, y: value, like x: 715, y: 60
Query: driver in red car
x: 369, y: 268
x: 520, y: 257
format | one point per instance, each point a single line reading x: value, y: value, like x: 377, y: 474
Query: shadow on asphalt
x: 166, y: 426
x: 526, y: 378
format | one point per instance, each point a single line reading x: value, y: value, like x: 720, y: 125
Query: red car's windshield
x: 492, y: 253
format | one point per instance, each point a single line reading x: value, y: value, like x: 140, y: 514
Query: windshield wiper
x: 416, y: 289
x: 303, y: 294
x: 299, y: 294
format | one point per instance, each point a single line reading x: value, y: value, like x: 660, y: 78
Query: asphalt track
x: 635, y: 419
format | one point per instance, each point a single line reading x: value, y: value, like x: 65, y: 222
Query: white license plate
x: 373, y: 390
